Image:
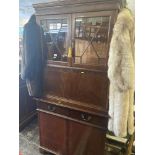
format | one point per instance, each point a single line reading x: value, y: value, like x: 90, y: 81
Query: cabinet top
x: 68, y: 2
x: 71, y: 6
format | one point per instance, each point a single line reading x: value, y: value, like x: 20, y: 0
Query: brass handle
x: 86, y: 117
x: 51, y: 108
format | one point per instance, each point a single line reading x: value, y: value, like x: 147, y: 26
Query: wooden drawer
x: 89, y: 118
x: 75, y: 115
x: 53, y: 108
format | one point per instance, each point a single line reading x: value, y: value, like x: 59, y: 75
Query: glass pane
x: 91, y: 39
x: 56, y: 34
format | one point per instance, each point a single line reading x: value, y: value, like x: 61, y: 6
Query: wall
x: 131, y: 5
x: 26, y: 10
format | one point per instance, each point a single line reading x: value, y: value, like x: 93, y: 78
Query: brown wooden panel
x: 53, y: 133
x: 67, y: 137
x: 87, y: 87
x: 71, y: 81
x: 80, y: 85
x: 53, y: 82
x: 85, y: 140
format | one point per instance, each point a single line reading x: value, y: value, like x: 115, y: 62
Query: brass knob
x: 51, y: 108
x: 86, y: 117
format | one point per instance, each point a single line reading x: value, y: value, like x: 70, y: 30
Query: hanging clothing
x: 33, y: 57
x: 121, y: 75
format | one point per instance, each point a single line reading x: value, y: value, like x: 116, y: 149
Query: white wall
x: 131, y: 5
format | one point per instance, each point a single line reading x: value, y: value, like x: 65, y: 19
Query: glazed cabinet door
x: 57, y: 33
x: 85, y: 140
x: 91, y: 36
x: 53, y: 133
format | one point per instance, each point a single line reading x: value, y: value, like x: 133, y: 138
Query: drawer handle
x: 82, y: 72
x: 86, y: 117
x: 51, y: 108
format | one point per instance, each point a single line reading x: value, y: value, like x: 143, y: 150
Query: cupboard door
x: 53, y: 133
x: 91, y: 36
x: 85, y: 140
x: 57, y: 36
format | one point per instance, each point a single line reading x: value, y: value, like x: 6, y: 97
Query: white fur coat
x: 121, y: 75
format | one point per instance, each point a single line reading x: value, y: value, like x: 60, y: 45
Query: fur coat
x: 33, y: 57
x: 121, y: 75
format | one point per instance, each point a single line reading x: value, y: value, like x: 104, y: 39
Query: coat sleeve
x: 120, y: 63
x: 28, y: 56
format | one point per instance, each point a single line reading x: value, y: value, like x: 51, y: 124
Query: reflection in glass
x: 55, y: 31
x: 91, y: 38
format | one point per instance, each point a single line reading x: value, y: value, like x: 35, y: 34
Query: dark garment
x: 33, y: 57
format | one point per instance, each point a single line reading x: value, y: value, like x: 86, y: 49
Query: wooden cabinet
x: 73, y: 113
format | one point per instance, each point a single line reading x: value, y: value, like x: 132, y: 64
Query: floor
x: 29, y: 140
